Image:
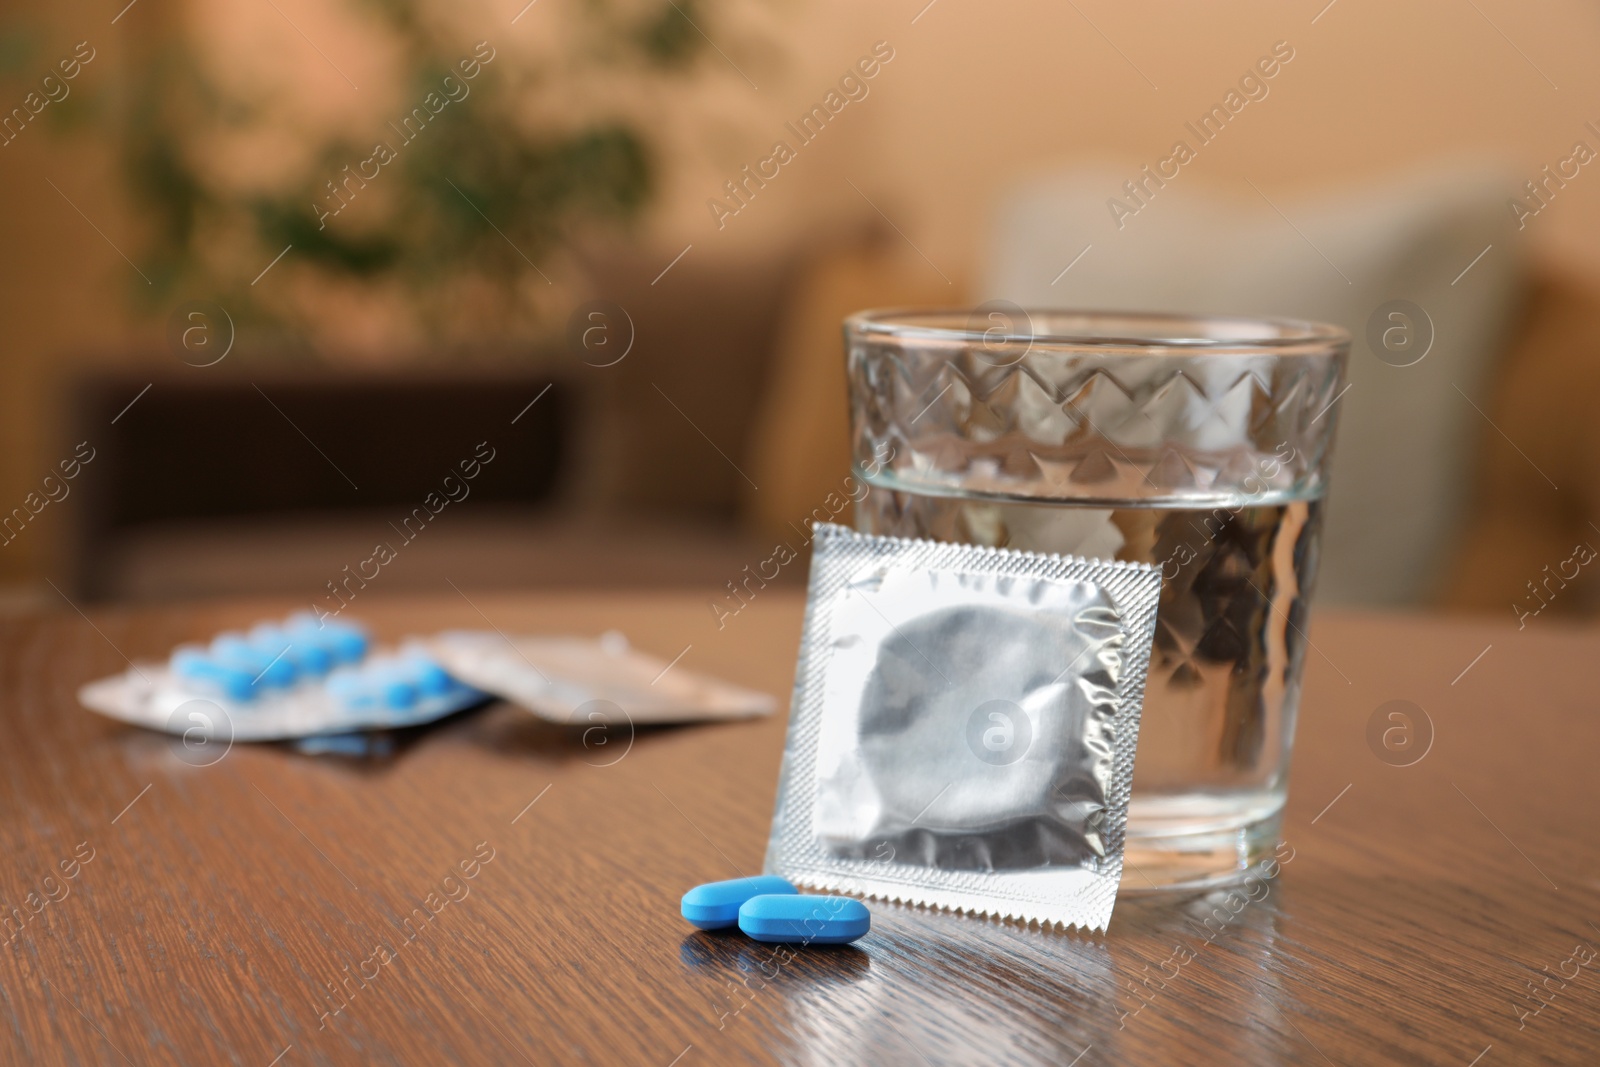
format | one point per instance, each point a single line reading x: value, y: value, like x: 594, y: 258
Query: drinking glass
x: 1197, y: 444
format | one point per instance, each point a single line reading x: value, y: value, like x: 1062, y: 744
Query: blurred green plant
x: 485, y: 193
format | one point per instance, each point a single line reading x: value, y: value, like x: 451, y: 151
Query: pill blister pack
x: 563, y: 679
x: 295, y: 678
x: 307, y: 678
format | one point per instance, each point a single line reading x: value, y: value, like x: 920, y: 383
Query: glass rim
x: 1206, y: 332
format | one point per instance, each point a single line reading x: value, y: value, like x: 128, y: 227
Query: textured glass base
x: 1191, y: 860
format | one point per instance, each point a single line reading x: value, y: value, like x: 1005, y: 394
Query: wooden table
x: 220, y: 914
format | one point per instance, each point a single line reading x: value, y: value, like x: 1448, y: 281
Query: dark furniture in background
x: 281, y: 482
x: 208, y: 448
x: 637, y: 473
x: 214, y: 452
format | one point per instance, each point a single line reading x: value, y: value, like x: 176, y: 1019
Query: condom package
x: 963, y: 727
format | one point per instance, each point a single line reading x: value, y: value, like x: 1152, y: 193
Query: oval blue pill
x: 429, y: 678
x: 397, y: 693
x: 261, y: 667
x: 195, y: 666
x: 346, y: 643
x: 804, y: 919
x: 312, y: 660
x: 280, y: 670
x: 236, y: 684
x: 302, y: 659
x: 715, y: 905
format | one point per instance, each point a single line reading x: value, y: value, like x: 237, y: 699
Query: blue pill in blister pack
x: 271, y: 656
x: 396, y: 683
x: 305, y: 658
x: 195, y: 664
x: 804, y: 919
x: 715, y: 905
x: 265, y: 665
x: 431, y: 679
x: 343, y: 642
x: 291, y: 678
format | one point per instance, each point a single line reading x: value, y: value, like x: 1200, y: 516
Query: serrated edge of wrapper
x: 792, y: 851
x: 996, y: 910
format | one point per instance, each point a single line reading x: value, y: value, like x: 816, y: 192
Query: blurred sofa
x: 266, y: 475
x: 725, y: 425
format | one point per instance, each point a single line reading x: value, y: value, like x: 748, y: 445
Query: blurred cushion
x: 1531, y: 526
x: 1407, y: 434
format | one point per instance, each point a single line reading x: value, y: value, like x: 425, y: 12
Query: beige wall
x: 980, y: 93
x: 976, y: 95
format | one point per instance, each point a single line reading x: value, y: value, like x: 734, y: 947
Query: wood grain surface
x: 497, y: 891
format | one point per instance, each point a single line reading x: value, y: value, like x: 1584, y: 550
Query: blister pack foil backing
x: 963, y: 727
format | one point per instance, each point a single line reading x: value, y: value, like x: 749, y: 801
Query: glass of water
x: 1199, y: 445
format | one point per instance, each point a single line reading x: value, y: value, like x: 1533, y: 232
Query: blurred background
x: 548, y: 293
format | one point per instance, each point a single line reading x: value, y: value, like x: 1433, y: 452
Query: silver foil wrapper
x: 963, y: 727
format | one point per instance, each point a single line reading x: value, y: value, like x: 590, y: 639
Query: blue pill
x: 280, y: 669
x: 806, y: 920
x: 311, y: 660
x: 347, y: 643
x: 397, y: 693
x: 306, y: 659
x: 194, y: 665
x: 344, y: 642
x: 263, y: 667
x: 715, y: 905
x: 429, y: 677
x: 231, y: 683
